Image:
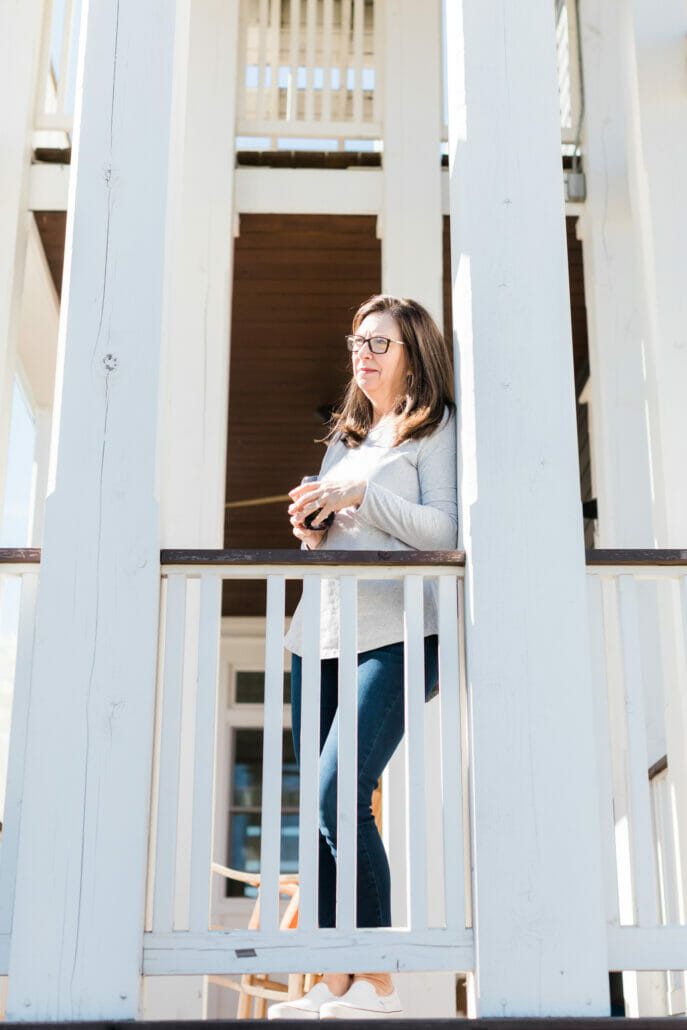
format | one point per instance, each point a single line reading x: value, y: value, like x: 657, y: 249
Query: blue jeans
x: 380, y: 730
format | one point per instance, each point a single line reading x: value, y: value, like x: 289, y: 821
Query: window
x: 245, y: 795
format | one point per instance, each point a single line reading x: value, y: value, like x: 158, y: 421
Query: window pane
x: 247, y: 779
x: 244, y: 848
x: 250, y: 687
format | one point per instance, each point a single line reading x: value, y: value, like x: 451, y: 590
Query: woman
x: 389, y: 477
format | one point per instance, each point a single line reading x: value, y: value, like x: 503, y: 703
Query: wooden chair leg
x: 245, y: 1000
x: 296, y: 989
x: 260, y: 1008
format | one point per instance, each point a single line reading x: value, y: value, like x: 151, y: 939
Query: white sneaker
x: 361, y: 1001
x: 307, y: 1007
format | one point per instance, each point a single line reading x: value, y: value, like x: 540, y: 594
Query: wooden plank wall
x: 298, y: 280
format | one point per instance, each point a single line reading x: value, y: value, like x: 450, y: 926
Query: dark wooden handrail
x: 196, y: 556
x: 294, y: 557
x: 19, y: 555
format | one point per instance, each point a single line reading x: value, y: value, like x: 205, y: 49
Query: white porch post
x: 538, y: 902
x: 195, y: 359
x: 411, y: 224
x: 20, y: 35
x: 656, y: 108
x: 194, y: 375
x: 613, y: 289
x: 79, y: 905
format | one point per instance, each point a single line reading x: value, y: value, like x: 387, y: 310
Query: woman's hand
x: 310, y: 537
x: 326, y: 496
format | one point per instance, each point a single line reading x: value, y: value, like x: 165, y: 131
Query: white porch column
x: 20, y: 36
x: 538, y: 902
x: 653, y: 40
x: 79, y: 905
x: 411, y: 223
x: 613, y: 289
x: 195, y: 358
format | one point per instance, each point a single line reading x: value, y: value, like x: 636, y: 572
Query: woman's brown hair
x: 430, y: 376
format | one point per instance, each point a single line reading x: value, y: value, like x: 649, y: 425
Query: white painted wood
x: 612, y: 281
x: 204, y: 752
x: 93, y: 684
x: 294, y: 54
x: 660, y: 947
x: 451, y: 756
x: 370, y: 571
x: 48, y: 187
x: 15, y: 762
x: 170, y: 747
x: 412, y: 252
x: 343, y: 61
x: 19, y: 50
x: 357, y: 62
x: 603, y: 746
x: 676, y: 734
x: 539, y: 900
x: 270, y: 834
x: 326, y: 950
x: 263, y: 17
x: 310, y: 37
x: 347, y: 769
x: 308, y: 824
x: 414, y: 699
x: 327, y: 43
x: 655, y: 104
x: 640, y: 808
x: 275, y: 49
x: 309, y: 191
x: 199, y: 278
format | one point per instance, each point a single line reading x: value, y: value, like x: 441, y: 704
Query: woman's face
x: 381, y: 377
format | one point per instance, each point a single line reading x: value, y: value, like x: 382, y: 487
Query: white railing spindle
x: 170, y: 753
x: 451, y: 753
x: 15, y: 764
x: 294, y: 56
x: 358, y: 35
x: 347, y: 822
x: 275, y: 56
x: 311, y: 30
x: 640, y: 821
x: 343, y: 57
x: 261, y: 60
x: 204, y: 754
x: 602, y: 737
x: 270, y: 843
x: 414, y: 691
x: 308, y: 840
x: 327, y: 40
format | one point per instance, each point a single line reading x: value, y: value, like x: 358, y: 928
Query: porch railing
x: 638, y: 627
x: 179, y: 939
x: 638, y: 633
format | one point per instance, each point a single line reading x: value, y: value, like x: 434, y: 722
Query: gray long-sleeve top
x: 409, y: 504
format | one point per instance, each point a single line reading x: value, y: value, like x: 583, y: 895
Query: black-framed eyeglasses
x: 377, y: 344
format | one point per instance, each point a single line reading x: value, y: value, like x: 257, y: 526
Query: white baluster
x: 294, y: 55
x: 414, y: 689
x: 308, y: 834
x: 275, y: 55
x: 15, y: 763
x: 358, y: 35
x: 640, y: 809
x: 327, y: 42
x: 270, y: 843
x: 204, y: 751
x: 344, y: 51
x: 603, y: 746
x: 311, y: 30
x: 170, y: 746
x: 65, y: 57
x: 261, y: 61
x: 451, y: 754
x: 347, y: 774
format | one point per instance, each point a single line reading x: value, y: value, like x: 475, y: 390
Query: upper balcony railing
x: 308, y: 70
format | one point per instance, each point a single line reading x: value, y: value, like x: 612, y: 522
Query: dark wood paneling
x: 298, y: 280
x: 52, y: 227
